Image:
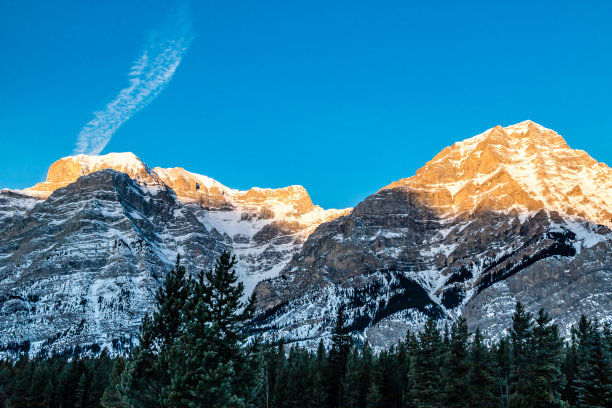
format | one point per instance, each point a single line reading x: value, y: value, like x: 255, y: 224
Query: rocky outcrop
x: 524, y: 166
x: 491, y: 220
x: 82, y: 267
x: 84, y: 252
x: 67, y: 170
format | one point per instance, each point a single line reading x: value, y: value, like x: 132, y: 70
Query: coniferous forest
x: 194, y: 352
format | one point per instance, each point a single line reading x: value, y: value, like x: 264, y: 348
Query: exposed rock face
x: 511, y: 214
x: 523, y: 166
x: 82, y: 267
x: 263, y: 227
x: 67, y: 170
x: 83, y: 253
x: 497, y: 218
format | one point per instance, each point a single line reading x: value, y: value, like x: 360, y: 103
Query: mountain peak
x: 525, y: 126
x: 524, y: 166
x: 188, y: 186
x: 68, y: 169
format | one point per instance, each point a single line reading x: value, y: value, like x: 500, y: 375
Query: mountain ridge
x: 511, y: 214
x: 476, y: 217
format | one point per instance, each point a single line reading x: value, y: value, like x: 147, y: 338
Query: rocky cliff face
x: 500, y: 217
x: 83, y: 253
x: 511, y: 214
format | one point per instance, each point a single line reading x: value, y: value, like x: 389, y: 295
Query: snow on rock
x: 512, y: 214
x: 84, y: 252
x: 524, y: 166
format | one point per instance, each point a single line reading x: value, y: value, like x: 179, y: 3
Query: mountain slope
x: 511, y: 214
x: 84, y: 252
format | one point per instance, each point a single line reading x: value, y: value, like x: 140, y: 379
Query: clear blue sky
x: 342, y: 97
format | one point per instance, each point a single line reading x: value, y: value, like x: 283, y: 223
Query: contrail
x: 147, y: 78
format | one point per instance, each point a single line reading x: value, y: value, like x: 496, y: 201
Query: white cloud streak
x: 147, y: 78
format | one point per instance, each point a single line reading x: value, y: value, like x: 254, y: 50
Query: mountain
x: 513, y: 214
x: 83, y: 253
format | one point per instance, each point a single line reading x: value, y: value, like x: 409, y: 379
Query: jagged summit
x: 187, y: 185
x: 68, y: 169
x: 465, y: 235
x: 489, y: 221
x: 524, y: 166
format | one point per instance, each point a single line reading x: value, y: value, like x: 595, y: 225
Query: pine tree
x: 521, y: 377
x: 607, y: 335
x: 323, y: 370
x: 82, y: 391
x: 412, y: 349
x: 318, y: 396
x: 481, y: 376
x: 279, y: 396
x: 210, y: 365
x: 112, y: 398
x: 426, y: 370
x: 569, y: 369
x: 457, y: 366
x: 351, y: 383
x: 593, y: 383
x: 274, y: 357
x: 338, y: 356
x: 373, y: 399
x: 145, y: 379
x: 366, y: 372
x: 503, y: 368
x: 547, y: 352
x: 99, y: 369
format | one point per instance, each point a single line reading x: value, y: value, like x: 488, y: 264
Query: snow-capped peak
x: 68, y: 169
x: 292, y: 201
x: 524, y: 166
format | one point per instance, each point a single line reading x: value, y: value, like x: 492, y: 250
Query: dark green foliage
x: 209, y: 364
x: 427, y: 364
x: 536, y: 378
x: 593, y: 378
x: 521, y: 377
x: 374, y: 399
x: 547, y: 357
x: 502, y: 369
x: 481, y: 371
x: 338, y: 357
x: 145, y: 380
x: 457, y: 383
x: 55, y: 381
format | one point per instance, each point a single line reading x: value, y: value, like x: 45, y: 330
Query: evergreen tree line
x: 193, y: 352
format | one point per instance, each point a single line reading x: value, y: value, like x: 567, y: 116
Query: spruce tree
x: 373, y: 400
x: 569, y: 369
x: 274, y: 356
x: 351, y: 383
x: 112, y: 398
x: 547, y: 355
x: 210, y: 364
x: 503, y: 369
x: 318, y: 396
x: 145, y: 380
x: 426, y: 370
x: 482, y: 385
x: 457, y: 380
x: 366, y: 372
x: 521, y: 378
x: 279, y: 396
x: 593, y: 382
x: 412, y: 349
x: 338, y: 356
